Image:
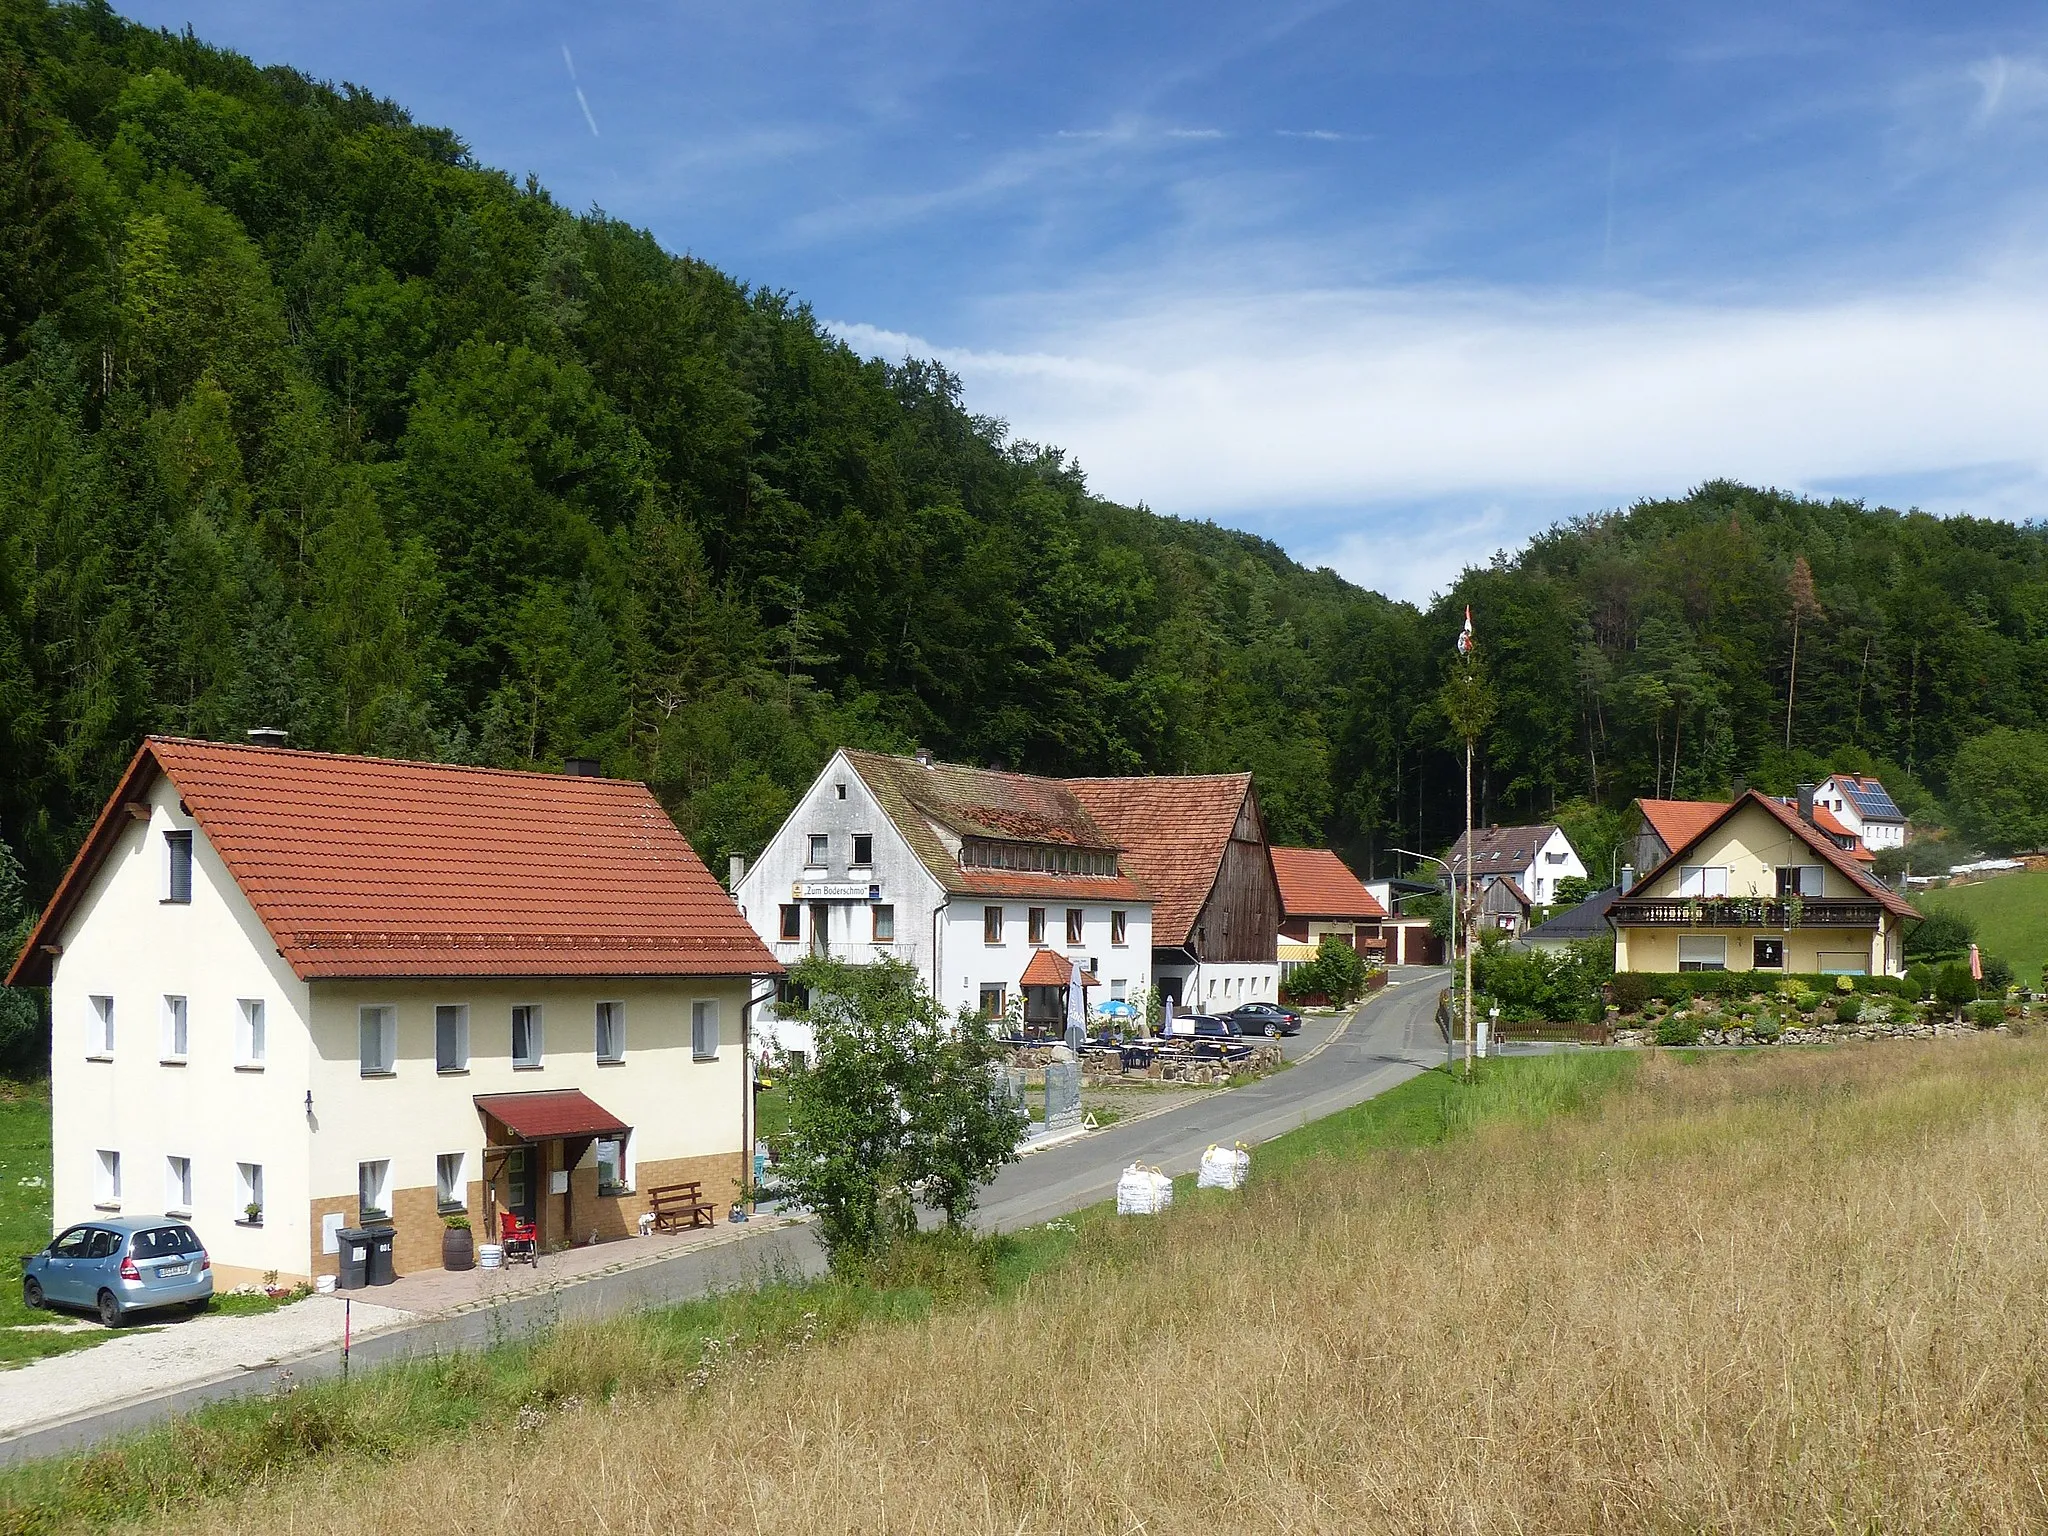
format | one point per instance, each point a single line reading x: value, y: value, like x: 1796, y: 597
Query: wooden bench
x: 679, y: 1206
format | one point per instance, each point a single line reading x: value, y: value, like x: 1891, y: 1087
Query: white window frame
x: 609, y: 1020
x: 1708, y: 880
x: 817, y: 850
x: 252, y: 1037
x: 176, y: 839
x: 703, y: 1013
x: 1756, y: 943
x: 458, y: 1015
x: 1819, y: 875
x: 458, y: 1200
x: 623, y: 1163
x: 106, y: 1179
x: 177, y: 1185
x: 373, y: 1177
x: 177, y: 1030
x: 248, y: 1192
x: 1700, y: 960
x: 536, y: 1037
x: 99, y: 1042
x: 857, y: 861
x: 386, y: 1058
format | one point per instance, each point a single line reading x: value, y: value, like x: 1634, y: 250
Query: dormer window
x: 178, y: 866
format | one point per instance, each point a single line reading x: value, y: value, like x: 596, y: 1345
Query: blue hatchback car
x: 120, y: 1265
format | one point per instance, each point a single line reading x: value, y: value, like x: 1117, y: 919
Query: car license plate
x: 165, y: 1271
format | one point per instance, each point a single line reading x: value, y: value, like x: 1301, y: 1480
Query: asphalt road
x: 1338, y: 1063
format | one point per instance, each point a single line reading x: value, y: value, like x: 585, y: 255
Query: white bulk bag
x: 1143, y: 1191
x: 1224, y: 1168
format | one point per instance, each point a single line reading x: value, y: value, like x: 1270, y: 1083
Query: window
x: 1852, y: 963
x: 1553, y: 858
x: 839, y: 791
x: 249, y: 1194
x: 863, y: 848
x: 992, y: 925
x: 792, y: 927
x: 249, y: 1042
x: 1767, y: 954
x: 611, y: 1031
x: 1116, y: 928
x: 789, y: 995
x: 377, y: 1038
x: 178, y: 1186
x: 977, y: 854
x: 821, y: 847
x: 611, y: 1166
x: 526, y: 1026
x: 175, y: 1033
x: 1698, y: 953
x: 451, y: 1188
x: 1034, y: 927
x: 373, y: 1190
x: 992, y: 1003
x: 1074, y: 915
x: 99, y: 1024
x: 105, y: 1245
x: 1116, y: 989
x: 1703, y: 880
x: 178, y: 866
x: 885, y: 924
x: 704, y: 1028
x: 106, y: 1178
x: 515, y: 1179
x: 1800, y: 880
x: 451, y: 1037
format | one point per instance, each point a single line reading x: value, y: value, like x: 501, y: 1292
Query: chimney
x: 582, y: 768
x: 268, y: 736
x: 1806, y: 793
x: 735, y: 871
x: 1628, y: 878
x: 1739, y: 786
x: 924, y: 757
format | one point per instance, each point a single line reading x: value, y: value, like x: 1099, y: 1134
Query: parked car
x: 1207, y: 1026
x: 1266, y: 1019
x: 120, y: 1265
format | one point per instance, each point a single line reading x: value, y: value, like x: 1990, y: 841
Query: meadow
x: 2011, y: 914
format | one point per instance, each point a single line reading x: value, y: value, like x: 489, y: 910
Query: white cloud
x: 1340, y: 407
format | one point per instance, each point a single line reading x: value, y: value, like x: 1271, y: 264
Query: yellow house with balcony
x: 1761, y: 888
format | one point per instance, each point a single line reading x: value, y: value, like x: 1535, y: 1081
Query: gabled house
x: 1319, y: 894
x: 1199, y: 842
x: 968, y: 874
x: 294, y: 992
x: 1760, y: 887
x: 1534, y: 858
x: 1662, y: 825
x: 1864, y: 808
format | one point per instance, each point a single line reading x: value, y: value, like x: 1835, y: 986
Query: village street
x: 1337, y: 1062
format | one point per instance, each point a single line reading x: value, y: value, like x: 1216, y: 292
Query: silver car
x: 120, y: 1265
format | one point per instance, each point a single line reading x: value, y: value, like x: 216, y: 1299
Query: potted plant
x: 252, y: 1214
x: 458, y: 1243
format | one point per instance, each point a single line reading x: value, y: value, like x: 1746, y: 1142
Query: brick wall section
x: 619, y: 1215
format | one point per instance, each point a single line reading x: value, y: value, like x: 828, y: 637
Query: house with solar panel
x: 298, y: 992
x: 1865, y: 808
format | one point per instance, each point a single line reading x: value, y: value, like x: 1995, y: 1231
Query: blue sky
x: 1393, y: 285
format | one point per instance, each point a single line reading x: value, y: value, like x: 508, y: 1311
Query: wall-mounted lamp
x: 309, y: 1103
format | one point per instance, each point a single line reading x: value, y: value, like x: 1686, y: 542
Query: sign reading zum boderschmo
x: 833, y: 890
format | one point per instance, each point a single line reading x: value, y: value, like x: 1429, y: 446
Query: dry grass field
x: 1789, y: 1291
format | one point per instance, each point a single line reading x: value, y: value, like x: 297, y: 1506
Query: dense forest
x: 309, y: 420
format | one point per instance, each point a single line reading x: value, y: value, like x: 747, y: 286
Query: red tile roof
x: 1830, y: 823
x: 1049, y: 968
x: 362, y: 866
x: 550, y: 1113
x: 1678, y: 822
x: 1314, y: 882
x: 1174, y: 831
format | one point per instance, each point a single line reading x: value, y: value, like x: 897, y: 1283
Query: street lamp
x: 1450, y: 875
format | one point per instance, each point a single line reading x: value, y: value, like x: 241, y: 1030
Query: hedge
x: 1631, y: 989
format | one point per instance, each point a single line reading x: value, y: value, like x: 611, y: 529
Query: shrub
x: 1997, y: 976
x: 1955, y: 986
x: 1678, y: 1029
x: 1920, y: 980
x: 1807, y: 1002
x: 1987, y: 1014
x: 1629, y: 990
x: 1845, y: 983
x: 1943, y: 936
x: 1767, y: 1026
x: 1849, y: 1009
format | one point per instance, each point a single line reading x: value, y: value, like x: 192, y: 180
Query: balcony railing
x: 1745, y: 912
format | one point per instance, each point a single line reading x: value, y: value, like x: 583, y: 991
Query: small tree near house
x: 899, y: 1107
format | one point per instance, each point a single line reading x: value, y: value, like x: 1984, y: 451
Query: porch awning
x: 553, y: 1114
x: 1296, y: 949
x: 1050, y: 970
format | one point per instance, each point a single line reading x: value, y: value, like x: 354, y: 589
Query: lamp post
x: 1450, y: 1043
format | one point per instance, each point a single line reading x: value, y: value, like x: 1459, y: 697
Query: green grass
x: 2011, y: 914
x: 381, y: 1414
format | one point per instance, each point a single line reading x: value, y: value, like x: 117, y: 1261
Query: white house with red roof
x: 973, y: 876
x: 293, y: 992
x: 1865, y: 809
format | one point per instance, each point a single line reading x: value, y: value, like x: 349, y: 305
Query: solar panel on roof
x: 1872, y: 800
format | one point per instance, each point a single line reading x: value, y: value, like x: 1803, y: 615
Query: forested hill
x: 308, y: 420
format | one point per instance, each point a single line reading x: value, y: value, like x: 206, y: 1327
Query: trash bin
x: 355, y: 1259
x: 381, y: 1270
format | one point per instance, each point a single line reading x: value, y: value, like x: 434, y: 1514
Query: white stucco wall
x: 1217, y: 986
x: 126, y: 942
x: 1556, y: 860
x: 972, y: 963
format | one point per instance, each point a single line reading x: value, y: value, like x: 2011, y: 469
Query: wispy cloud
x: 578, y: 89
x: 1321, y: 135
x: 2008, y: 86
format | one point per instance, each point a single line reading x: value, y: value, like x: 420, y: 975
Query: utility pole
x: 1468, y: 706
x: 1468, y: 890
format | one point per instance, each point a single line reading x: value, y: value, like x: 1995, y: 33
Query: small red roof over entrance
x: 1052, y: 970
x: 550, y: 1114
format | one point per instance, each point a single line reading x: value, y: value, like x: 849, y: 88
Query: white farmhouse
x: 1534, y: 858
x: 1866, y: 808
x: 293, y: 991
x: 968, y: 874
